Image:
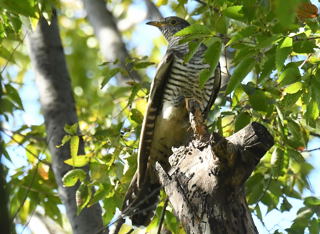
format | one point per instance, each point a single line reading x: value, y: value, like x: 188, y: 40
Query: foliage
x: 274, y: 79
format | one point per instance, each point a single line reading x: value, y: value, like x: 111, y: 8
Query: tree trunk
x: 206, y: 182
x: 58, y: 108
x: 109, y: 37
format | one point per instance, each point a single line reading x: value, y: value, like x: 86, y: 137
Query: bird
x: 166, y: 122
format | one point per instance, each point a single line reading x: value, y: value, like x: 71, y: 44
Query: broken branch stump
x: 206, y: 182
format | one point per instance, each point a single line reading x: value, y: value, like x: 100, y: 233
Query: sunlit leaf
x: 234, y: 12
x: 74, y: 146
x: 290, y: 75
x: 78, y: 161
x: 293, y: 88
x: 72, y: 177
x: 194, y: 29
x: 26, y: 7
x: 283, y: 51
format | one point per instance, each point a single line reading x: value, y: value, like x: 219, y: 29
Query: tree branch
x: 153, y: 12
x: 58, y: 107
x: 205, y: 183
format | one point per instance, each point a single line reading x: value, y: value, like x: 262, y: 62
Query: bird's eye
x: 173, y: 22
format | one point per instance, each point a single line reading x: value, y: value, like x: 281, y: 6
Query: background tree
x: 274, y: 79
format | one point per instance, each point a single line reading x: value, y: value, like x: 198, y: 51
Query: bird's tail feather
x: 140, y: 202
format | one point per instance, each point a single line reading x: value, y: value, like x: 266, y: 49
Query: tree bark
x: 109, y: 37
x: 58, y: 108
x: 206, y: 182
x: 153, y: 12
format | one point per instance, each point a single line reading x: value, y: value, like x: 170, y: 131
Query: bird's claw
x: 196, y: 119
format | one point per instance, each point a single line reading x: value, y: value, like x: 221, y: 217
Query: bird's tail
x: 140, y: 202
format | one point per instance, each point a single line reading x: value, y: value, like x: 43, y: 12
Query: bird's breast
x: 172, y: 129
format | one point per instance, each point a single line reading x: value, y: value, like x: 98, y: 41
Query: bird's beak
x: 156, y: 23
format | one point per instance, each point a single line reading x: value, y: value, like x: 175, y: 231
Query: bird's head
x: 170, y: 26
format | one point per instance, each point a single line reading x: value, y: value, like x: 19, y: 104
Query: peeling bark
x: 109, y: 37
x: 206, y: 182
x: 58, y: 108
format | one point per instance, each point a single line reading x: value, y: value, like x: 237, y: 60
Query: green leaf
x: 283, y: 51
x: 213, y: 52
x: 194, y: 29
x: 221, y: 24
x: 312, y: 110
x: 25, y: 7
x: 306, y: 46
x: 277, y: 161
x: 234, y: 12
x: 72, y: 176
x: 293, y: 88
x: 290, y: 75
x: 242, y: 120
x: 193, y: 47
x: 83, y: 196
x: 6, y: 54
x: 240, y: 72
x: 78, y: 161
x: 136, y: 116
x: 14, y: 95
x: 295, y: 130
x: 259, y: 101
x: 142, y: 64
x: 312, y: 201
x: 291, y: 99
x: 314, y: 226
x: 285, y: 205
x: 285, y: 11
x: 64, y: 140
x: 268, y: 66
x: 246, y: 32
x: 211, y: 57
x: 74, y: 146
x: 105, y: 191
x: 71, y: 129
x: 108, y: 74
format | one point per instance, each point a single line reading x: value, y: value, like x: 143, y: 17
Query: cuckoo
x: 166, y: 123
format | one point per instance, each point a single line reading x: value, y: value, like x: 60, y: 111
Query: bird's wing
x: 215, y: 91
x: 153, y: 108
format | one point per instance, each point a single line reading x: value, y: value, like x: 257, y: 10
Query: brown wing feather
x: 153, y: 108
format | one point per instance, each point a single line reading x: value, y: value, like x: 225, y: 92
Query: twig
x: 162, y: 215
x: 13, y: 51
x: 26, y: 149
x: 310, y: 150
x: 315, y: 134
x: 27, y: 193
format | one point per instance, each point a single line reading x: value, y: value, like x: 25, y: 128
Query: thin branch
x: 11, y: 54
x: 315, y: 134
x: 25, y: 148
x: 27, y: 193
x: 311, y: 150
x: 201, y: 2
x: 30, y: 217
x: 162, y: 215
x: 153, y: 12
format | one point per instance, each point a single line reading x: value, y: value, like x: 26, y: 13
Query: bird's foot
x: 196, y: 119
